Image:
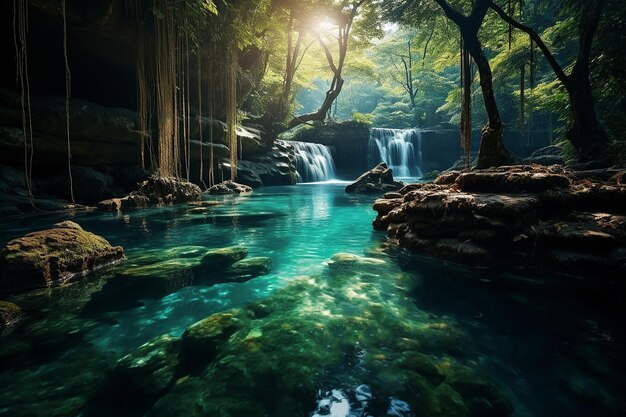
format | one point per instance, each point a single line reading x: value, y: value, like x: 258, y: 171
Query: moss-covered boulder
x: 247, y: 269
x: 360, y: 339
x: 149, y: 370
x: 202, y: 340
x: 222, y: 258
x: 53, y: 257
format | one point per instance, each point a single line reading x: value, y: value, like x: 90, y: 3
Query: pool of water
x: 548, y: 352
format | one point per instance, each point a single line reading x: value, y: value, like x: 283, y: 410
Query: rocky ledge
x: 523, y: 215
x: 377, y: 180
x: 53, y: 257
x: 155, y: 191
x: 229, y: 187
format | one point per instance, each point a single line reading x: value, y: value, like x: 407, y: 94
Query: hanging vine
x: 466, y: 105
x: 20, y: 31
x: 68, y: 83
x: 230, y: 106
x: 144, y: 99
x: 165, y: 85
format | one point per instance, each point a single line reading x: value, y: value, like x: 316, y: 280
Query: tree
x: 344, y: 21
x: 584, y: 132
x: 492, y: 150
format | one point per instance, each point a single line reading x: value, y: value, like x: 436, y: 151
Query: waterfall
x: 400, y: 149
x: 314, y: 162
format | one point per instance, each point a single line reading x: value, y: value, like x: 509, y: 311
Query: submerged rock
x: 149, y: 370
x: 9, y: 315
x: 229, y: 187
x: 202, y: 340
x: 247, y: 269
x: 377, y: 180
x: 53, y: 257
x: 222, y: 258
x: 155, y: 191
x: 316, y: 333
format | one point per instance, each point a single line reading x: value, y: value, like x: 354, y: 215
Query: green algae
x: 349, y: 326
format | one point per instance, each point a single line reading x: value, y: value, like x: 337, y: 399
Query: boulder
x: 229, y: 187
x: 248, y: 268
x: 155, y: 191
x: 10, y: 314
x: 53, y: 257
x: 222, y: 258
x: 377, y: 180
x: 202, y: 340
x: 150, y: 369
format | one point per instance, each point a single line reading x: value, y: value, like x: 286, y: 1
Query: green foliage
x: 366, y: 119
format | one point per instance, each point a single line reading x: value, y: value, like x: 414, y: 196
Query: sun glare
x: 324, y: 26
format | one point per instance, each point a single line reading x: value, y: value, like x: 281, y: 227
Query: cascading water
x: 400, y: 149
x: 314, y: 162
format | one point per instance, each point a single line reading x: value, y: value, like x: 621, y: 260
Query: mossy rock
x: 246, y: 269
x: 482, y: 397
x: 348, y: 263
x: 149, y: 370
x: 202, y: 340
x: 222, y: 258
x: 53, y: 257
x: 423, y: 365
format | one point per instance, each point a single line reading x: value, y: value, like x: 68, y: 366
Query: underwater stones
x: 377, y: 180
x: 61, y: 387
x: 10, y: 314
x: 246, y: 269
x: 202, y: 340
x: 149, y: 370
x: 53, y: 257
x: 348, y: 263
x: 482, y: 397
x: 155, y: 191
x: 423, y: 365
x: 363, y: 337
x: 229, y: 187
x: 222, y: 258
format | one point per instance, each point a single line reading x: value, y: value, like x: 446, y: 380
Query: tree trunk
x: 492, y: 150
x: 584, y: 132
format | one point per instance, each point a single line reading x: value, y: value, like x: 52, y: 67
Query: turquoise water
x: 546, y: 349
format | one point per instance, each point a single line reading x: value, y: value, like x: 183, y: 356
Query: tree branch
x: 329, y: 56
x: 558, y: 70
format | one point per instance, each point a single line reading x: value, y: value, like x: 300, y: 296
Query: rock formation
x: 53, y: 257
x: 522, y: 215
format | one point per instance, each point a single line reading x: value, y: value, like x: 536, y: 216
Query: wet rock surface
x: 229, y: 187
x: 149, y: 370
x: 160, y: 272
x: 344, y: 350
x: 377, y: 180
x: 155, y: 191
x: 526, y: 215
x: 53, y: 257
